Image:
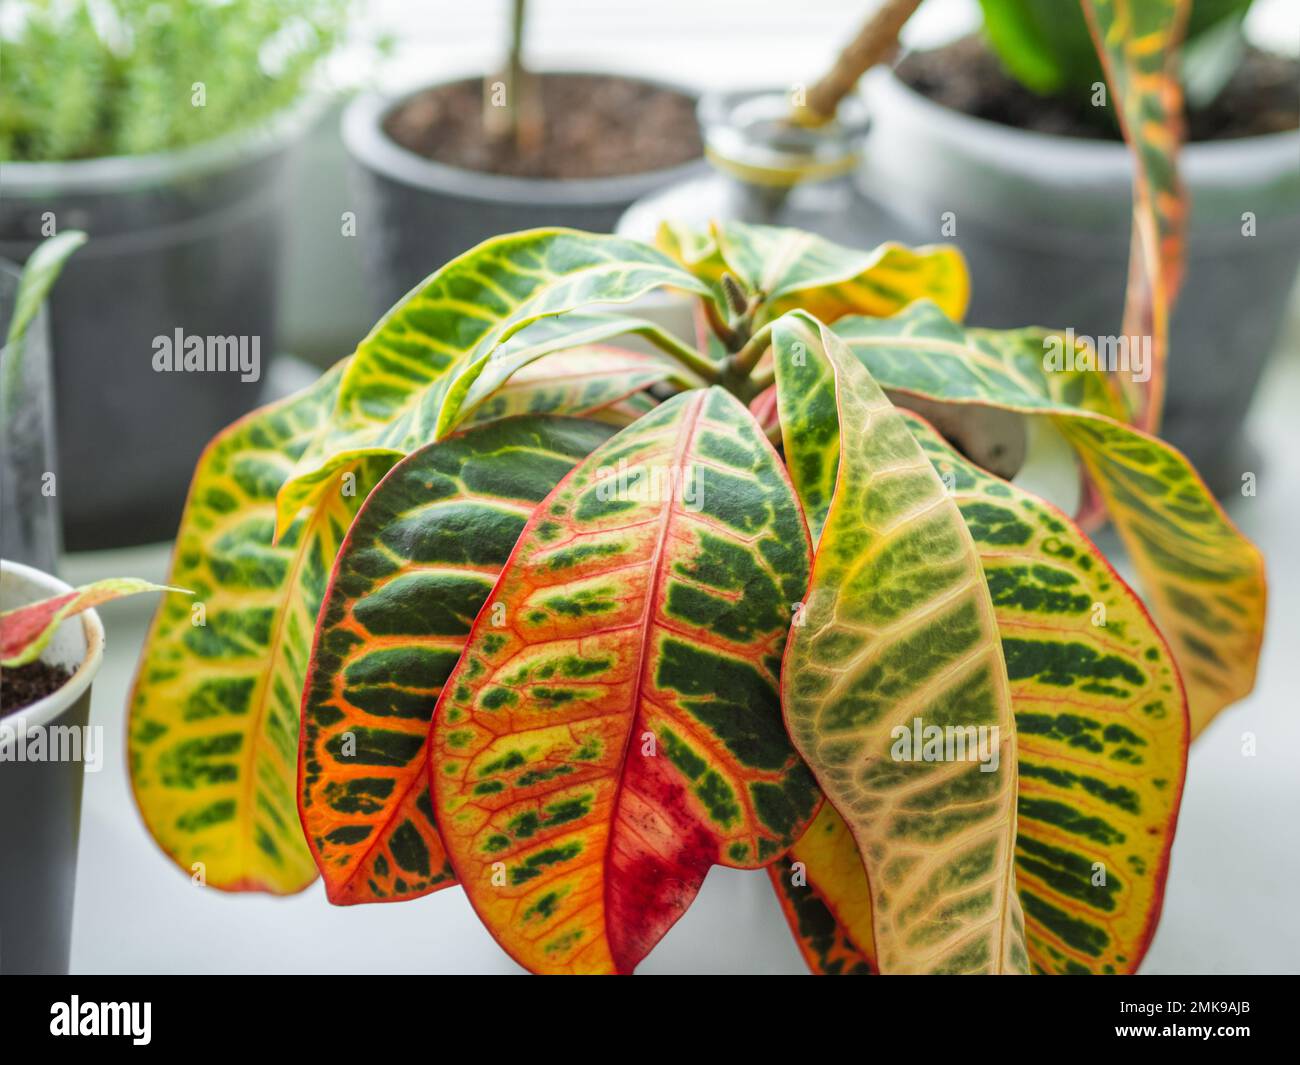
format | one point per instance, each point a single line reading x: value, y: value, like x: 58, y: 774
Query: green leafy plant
x: 1048, y: 47
x: 495, y: 603
x: 126, y: 77
x: 563, y: 626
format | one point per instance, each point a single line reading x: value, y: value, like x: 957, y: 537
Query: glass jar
x: 768, y: 170
x: 29, y: 513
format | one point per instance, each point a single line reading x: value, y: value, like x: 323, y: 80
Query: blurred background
x: 350, y: 181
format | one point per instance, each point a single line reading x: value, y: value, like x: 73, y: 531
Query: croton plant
x: 563, y: 625
x: 499, y: 604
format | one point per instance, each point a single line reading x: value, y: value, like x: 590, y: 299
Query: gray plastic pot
x: 40, y: 800
x: 1044, y: 222
x: 413, y: 215
x: 179, y: 240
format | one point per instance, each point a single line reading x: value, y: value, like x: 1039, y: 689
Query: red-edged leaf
x: 1137, y: 42
x: 26, y: 630
x: 613, y: 728
x: 418, y: 563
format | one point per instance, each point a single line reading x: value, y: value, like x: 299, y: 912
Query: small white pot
x: 42, y: 766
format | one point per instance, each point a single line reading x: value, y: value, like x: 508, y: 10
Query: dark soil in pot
x: 1043, y: 211
x: 1262, y: 96
x: 431, y: 183
x: 594, y: 126
x: 23, y: 685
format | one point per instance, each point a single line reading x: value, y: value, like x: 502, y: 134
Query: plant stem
x: 700, y: 365
x: 763, y: 381
x: 720, y: 328
x: 520, y: 117
x: 738, y: 368
x: 873, y: 43
x: 743, y: 362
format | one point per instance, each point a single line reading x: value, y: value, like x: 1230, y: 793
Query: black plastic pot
x: 183, y: 240
x: 1044, y: 223
x: 40, y: 799
x: 413, y: 214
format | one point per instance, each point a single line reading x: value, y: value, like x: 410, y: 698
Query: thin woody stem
x: 876, y: 40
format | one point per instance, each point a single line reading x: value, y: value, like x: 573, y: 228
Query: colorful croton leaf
x: 822, y: 887
x: 26, y: 631
x: 1101, y: 730
x: 788, y: 269
x: 411, y: 376
x: 551, y: 662
x: 896, y: 648
x: 1203, y: 580
x: 214, y: 712
x: 613, y: 728
x: 563, y: 338
x: 419, y: 561
x: 1137, y: 42
x: 584, y: 381
x: 625, y: 411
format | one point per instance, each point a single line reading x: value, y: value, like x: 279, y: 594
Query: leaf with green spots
x: 411, y: 376
x: 582, y: 382
x: 418, y: 563
x: 1101, y: 732
x: 1101, y: 725
x: 214, y: 711
x: 897, y: 639
x: 1203, y: 580
x: 790, y: 269
x: 615, y: 730
x: 822, y: 888
x: 1138, y: 44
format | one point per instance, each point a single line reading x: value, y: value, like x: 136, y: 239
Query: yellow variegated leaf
x: 792, y: 269
x: 1203, y: 579
x: 823, y: 891
x: 1137, y: 42
x: 896, y: 648
x: 412, y: 375
x: 582, y: 381
x: 214, y: 712
x: 1101, y: 727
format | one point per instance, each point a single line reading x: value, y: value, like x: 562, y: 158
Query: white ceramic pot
x: 40, y: 788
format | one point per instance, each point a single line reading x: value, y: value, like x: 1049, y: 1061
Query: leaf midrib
x: 685, y: 439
